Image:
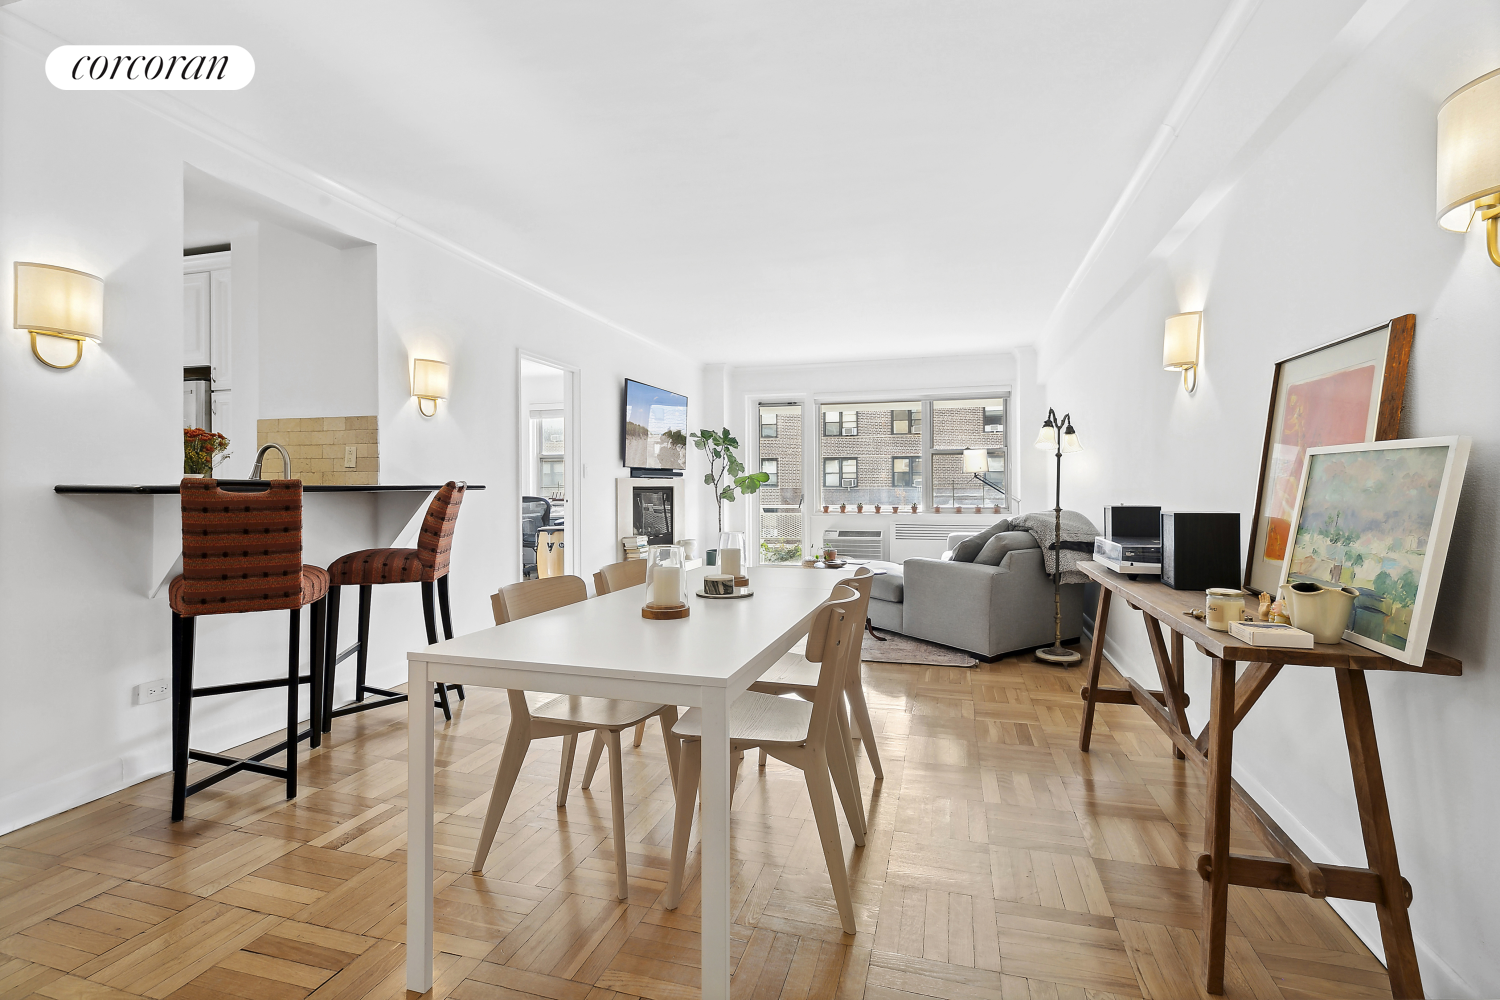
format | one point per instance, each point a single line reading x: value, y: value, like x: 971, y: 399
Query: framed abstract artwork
x: 1346, y: 392
x: 1377, y: 517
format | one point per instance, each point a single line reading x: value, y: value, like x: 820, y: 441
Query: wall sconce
x: 1468, y: 160
x: 1179, y: 352
x: 429, y: 383
x: 59, y: 302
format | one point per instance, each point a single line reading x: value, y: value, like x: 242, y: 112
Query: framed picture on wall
x: 1346, y: 392
x: 1377, y: 517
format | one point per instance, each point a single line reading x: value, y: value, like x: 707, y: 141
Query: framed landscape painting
x: 1346, y: 392
x: 1377, y: 517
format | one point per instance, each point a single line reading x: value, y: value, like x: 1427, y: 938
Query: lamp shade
x: 429, y: 379
x: 1180, y: 345
x: 59, y: 300
x: 1070, y: 442
x: 1046, y: 438
x: 1468, y: 151
x: 976, y: 460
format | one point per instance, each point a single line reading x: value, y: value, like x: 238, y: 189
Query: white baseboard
x: 1438, y: 977
x: 31, y: 805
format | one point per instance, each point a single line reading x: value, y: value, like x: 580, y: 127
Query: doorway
x: 549, y: 468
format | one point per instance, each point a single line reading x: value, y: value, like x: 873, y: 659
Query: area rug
x: 904, y: 649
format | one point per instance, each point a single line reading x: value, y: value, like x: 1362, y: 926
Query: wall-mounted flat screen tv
x: 655, y: 427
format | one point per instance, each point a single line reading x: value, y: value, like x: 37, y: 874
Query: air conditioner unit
x: 850, y: 484
x: 854, y: 543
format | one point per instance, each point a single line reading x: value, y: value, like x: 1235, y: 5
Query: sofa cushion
x: 888, y: 587
x: 1003, y: 543
x: 970, y: 547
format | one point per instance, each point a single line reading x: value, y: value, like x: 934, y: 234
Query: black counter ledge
x: 242, y: 486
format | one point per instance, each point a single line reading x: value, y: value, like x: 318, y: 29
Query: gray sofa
x: 986, y: 609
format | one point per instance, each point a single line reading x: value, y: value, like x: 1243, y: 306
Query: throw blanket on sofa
x: 1078, y: 534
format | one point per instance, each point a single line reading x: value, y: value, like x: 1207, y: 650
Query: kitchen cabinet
x: 206, y: 327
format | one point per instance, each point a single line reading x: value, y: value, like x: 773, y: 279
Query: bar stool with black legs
x: 426, y: 564
x: 241, y: 552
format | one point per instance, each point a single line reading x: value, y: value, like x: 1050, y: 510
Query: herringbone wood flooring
x: 1002, y: 864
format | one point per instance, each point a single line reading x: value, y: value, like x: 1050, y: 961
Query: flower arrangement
x: 201, y: 450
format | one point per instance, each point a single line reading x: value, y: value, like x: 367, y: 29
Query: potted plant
x: 913, y: 508
x: 202, y: 450
x: 722, y: 461
x: 843, y: 508
x: 877, y: 508
x: 859, y: 508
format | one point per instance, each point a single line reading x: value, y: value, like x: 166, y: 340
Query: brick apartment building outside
x: 883, y: 456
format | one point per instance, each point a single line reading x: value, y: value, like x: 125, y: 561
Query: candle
x: 729, y: 561
x: 666, y: 587
x: 719, y: 584
x: 1224, y: 606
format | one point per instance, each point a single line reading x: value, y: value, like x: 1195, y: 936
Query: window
x: 994, y: 419
x: 840, y: 473
x: 840, y: 423
x: 779, y: 451
x: 910, y: 451
x: 552, y: 474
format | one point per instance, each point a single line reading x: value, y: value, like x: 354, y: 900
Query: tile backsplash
x: 317, y: 446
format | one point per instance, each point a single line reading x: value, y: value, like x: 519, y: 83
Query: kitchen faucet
x: 286, y: 460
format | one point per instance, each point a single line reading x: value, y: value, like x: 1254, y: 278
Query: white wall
x: 80, y: 630
x: 1332, y: 231
x: 316, y: 327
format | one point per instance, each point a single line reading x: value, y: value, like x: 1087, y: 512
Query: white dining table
x: 603, y: 647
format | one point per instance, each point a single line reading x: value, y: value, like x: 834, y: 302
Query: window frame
x: 774, y: 425
x: 910, y: 421
x: 910, y: 473
x: 843, y: 422
x: 985, y: 419
x: 772, y: 482
x: 839, y: 472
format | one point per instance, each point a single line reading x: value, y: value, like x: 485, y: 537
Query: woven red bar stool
x: 426, y: 564
x: 242, y: 552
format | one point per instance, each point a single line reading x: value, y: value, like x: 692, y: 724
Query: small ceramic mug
x: 720, y: 585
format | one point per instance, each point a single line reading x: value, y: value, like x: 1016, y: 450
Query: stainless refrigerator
x: 197, y: 403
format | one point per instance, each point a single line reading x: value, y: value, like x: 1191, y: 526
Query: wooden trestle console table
x: 1289, y: 870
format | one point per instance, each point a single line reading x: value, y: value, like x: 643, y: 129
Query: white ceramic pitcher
x: 1323, y: 611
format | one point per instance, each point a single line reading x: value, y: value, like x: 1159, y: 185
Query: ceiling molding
x: 15, y: 28
x: 1068, y: 327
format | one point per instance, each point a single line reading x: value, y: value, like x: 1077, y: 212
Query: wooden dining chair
x: 615, y: 576
x: 565, y: 716
x: 791, y: 730
x: 795, y: 674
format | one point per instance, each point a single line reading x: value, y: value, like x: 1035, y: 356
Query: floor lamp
x: 1058, y: 434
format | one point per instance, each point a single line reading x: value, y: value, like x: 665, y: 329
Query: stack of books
x: 1271, y: 634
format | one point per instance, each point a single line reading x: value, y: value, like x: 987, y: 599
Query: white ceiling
x: 790, y: 179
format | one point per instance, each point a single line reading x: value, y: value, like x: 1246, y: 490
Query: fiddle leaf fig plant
x: 723, y: 462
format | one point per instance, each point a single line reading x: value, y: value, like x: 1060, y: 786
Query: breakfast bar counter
x: 338, y: 519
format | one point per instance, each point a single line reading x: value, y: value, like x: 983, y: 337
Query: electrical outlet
x: 349, y: 456
x: 150, y: 691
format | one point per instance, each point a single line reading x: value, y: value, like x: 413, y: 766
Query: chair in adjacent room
x: 242, y: 552
x: 566, y: 716
x: 536, y: 513
x: 795, y: 674
x: 791, y: 730
x: 427, y: 564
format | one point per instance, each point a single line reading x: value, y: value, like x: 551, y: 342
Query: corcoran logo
x: 150, y: 67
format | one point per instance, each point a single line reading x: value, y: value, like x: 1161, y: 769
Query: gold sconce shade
x: 429, y: 383
x: 1468, y: 159
x: 1180, y: 346
x: 60, y: 302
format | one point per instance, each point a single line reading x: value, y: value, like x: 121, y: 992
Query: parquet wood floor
x: 1002, y: 864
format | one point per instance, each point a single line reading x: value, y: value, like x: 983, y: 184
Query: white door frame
x: 572, y: 459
